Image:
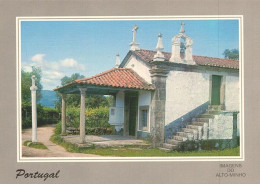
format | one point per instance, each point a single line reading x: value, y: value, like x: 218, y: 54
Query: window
x: 143, y: 117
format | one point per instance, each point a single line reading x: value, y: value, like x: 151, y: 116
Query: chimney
x: 117, y: 61
x: 159, y: 48
x: 182, y: 48
x: 134, y: 44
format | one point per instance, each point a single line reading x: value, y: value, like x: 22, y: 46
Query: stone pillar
x: 157, y: 118
x: 82, y: 114
x: 33, y: 89
x: 63, y: 114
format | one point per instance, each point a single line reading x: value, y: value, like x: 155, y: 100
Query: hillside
x: 48, y: 98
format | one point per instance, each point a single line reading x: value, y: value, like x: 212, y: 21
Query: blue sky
x: 89, y: 47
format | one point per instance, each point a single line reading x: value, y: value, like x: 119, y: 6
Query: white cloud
x: 53, y: 71
x: 27, y: 67
x: 38, y: 58
x: 52, y: 74
x: 71, y: 63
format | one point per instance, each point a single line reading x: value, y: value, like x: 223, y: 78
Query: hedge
x: 45, y: 115
x: 97, y: 117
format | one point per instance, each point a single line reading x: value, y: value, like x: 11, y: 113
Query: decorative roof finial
x: 117, y: 60
x: 182, y: 27
x: 159, y: 48
x: 134, y: 44
x: 33, y: 80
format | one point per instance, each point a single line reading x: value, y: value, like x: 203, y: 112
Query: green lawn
x: 37, y: 145
x: 143, y: 152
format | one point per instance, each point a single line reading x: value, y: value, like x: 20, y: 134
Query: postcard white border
x: 128, y: 159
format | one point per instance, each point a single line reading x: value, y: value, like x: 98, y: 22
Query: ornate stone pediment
x: 178, y: 48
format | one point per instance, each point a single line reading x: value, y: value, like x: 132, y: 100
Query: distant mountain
x: 48, y: 98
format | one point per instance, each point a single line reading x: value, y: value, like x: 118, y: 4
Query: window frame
x: 140, y: 127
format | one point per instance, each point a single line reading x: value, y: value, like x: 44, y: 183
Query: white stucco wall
x: 185, y: 91
x: 139, y: 67
x: 232, y: 93
x: 144, y: 99
x: 221, y: 127
x: 117, y: 118
x: 120, y: 99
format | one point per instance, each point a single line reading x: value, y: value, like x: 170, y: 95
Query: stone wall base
x: 214, y: 144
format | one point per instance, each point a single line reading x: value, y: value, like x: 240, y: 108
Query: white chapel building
x: 170, y: 97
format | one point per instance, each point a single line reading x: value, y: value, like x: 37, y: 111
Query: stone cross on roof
x: 159, y: 48
x: 182, y: 27
x: 134, y: 44
x: 134, y: 33
x: 159, y: 45
x: 117, y: 60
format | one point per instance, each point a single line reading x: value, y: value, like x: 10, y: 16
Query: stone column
x: 82, y: 114
x: 33, y: 89
x: 63, y: 114
x: 158, y: 105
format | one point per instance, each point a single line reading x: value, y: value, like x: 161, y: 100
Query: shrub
x: 99, y: 131
x: 96, y: 120
x: 45, y: 115
x: 57, y: 129
x: 94, y: 117
x: 97, y: 117
x: 73, y: 117
x: 27, y: 123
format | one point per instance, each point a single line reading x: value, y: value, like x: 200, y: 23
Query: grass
x: 130, y: 151
x: 37, y: 145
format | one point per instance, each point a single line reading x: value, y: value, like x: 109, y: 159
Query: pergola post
x: 82, y: 114
x: 63, y: 114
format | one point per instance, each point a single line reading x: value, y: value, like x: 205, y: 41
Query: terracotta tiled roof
x: 117, y: 77
x: 147, y: 55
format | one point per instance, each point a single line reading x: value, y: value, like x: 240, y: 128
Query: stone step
x: 184, y: 134
x: 215, y: 107
x: 206, y: 116
x: 188, y: 130
x: 196, y: 127
x: 173, y: 141
x: 214, y: 112
x: 203, y: 119
x: 169, y: 146
x: 180, y: 138
x: 198, y: 123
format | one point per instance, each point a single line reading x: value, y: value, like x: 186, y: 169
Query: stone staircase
x: 195, y: 130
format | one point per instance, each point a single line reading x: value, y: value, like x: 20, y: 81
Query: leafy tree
x: 231, y: 54
x: 66, y: 79
x: 26, y: 83
x: 73, y: 100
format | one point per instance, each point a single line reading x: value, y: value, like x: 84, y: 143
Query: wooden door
x: 215, y: 90
x: 131, y: 103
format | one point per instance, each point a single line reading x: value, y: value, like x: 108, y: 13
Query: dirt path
x: 44, y: 134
